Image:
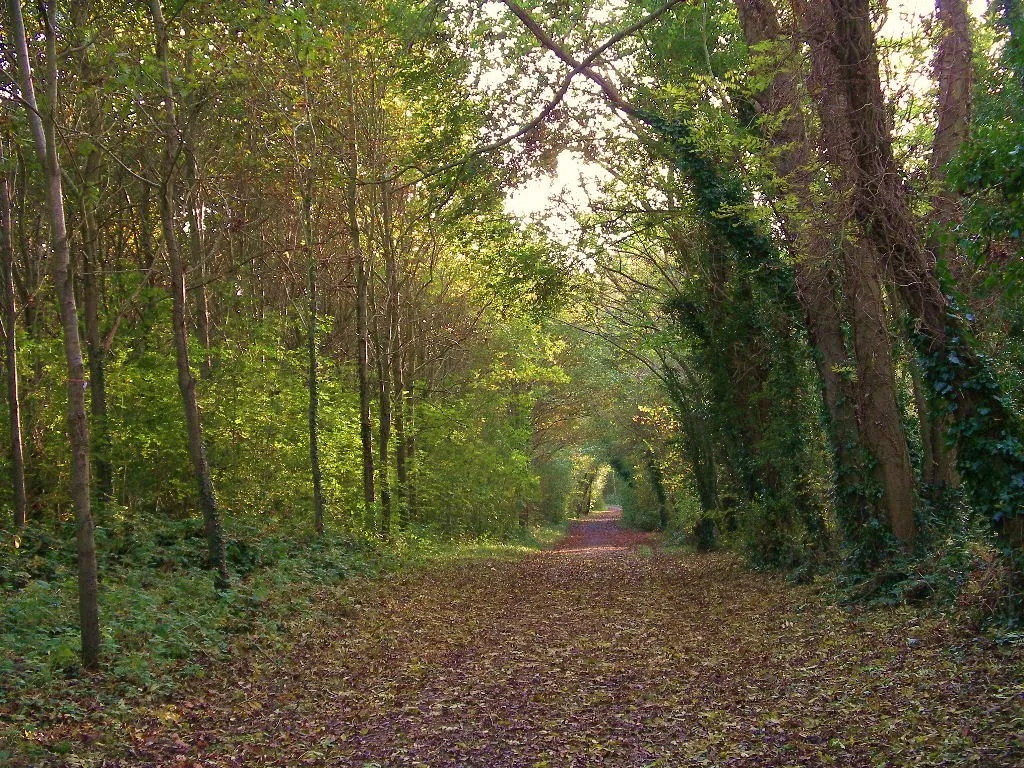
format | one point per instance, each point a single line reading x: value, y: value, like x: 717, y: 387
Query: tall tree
x: 878, y: 428
x: 362, y: 301
x: 170, y: 204
x: 10, y: 328
x: 988, y: 434
x: 42, y: 122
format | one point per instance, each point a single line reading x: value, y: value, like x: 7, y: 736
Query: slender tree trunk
x: 197, y: 251
x: 92, y: 266
x: 410, y: 410
x: 384, y: 402
x: 43, y: 136
x: 10, y: 324
x: 386, y: 353
x: 362, y: 311
x: 169, y: 203
x: 309, y: 244
x: 401, y: 445
x: 97, y: 370
x: 314, y: 390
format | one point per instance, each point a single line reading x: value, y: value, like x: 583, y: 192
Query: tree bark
x: 197, y: 250
x: 382, y: 349
x: 314, y: 390
x: 879, y: 429
x: 44, y: 139
x: 401, y: 446
x: 97, y: 367
x: 842, y: 47
x: 92, y: 265
x: 10, y: 326
x: 388, y: 389
x: 169, y: 204
x: 953, y: 70
x: 881, y: 420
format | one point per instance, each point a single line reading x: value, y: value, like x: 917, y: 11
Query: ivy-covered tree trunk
x: 988, y: 434
x: 880, y: 416
x: 42, y: 124
x: 654, y: 475
x: 953, y: 70
x: 820, y: 258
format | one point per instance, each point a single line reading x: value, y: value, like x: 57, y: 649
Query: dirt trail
x: 601, y: 652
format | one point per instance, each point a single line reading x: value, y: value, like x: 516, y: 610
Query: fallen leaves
x: 599, y: 654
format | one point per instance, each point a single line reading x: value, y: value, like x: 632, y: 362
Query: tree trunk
x: 654, y: 475
x: 362, y: 312
x: 816, y: 289
x: 879, y: 429
x: 309, y: 244
x: 97, y: 369
x: 881, y: 420
x: 44, y: 139
x: 92, y: 266
x: 169, y: 203
x: 410, y: 411
x: 382, y: 346
x: 401, y: 446
x: 954, y: 72
x: 197, y: 250
x: 314, y: 391
x: 587, y: 497
x: 10, y: 326
x: 389, y: 391
x: 842, y: 47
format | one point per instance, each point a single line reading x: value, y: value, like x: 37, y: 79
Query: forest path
x: 600, y: 652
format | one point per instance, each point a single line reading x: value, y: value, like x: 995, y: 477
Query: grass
x: 162, y: 620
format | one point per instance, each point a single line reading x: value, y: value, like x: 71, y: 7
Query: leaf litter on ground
x: 603, y: 651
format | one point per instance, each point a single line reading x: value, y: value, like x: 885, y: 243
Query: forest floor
x: 603, y: 651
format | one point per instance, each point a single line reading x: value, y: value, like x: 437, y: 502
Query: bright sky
x: 576, y: 182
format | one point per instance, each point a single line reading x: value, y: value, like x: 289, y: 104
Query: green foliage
x: 989, y: 169
x: 988, y: 427
x: 162, y: 622
x: 558, y: 478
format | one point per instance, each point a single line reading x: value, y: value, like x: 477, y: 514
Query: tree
x: 42, y: 123
x: 10, y: 329
x: 169, y: 204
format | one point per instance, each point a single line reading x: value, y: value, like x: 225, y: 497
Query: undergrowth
x: 162, y: 620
